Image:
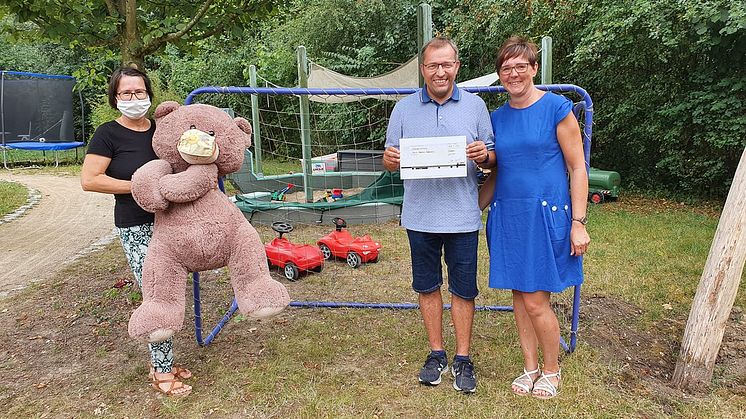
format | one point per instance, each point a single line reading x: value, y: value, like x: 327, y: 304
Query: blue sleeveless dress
x: 528, y: 226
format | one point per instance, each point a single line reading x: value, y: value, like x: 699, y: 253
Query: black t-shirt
x: 128, y: 151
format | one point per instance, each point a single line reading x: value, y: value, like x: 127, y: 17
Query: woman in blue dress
x: 536, y: 224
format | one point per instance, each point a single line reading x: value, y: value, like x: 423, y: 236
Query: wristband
x: 583, y: 220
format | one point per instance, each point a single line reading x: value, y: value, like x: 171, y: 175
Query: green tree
x: 669, y: 81
x: 138, y: 29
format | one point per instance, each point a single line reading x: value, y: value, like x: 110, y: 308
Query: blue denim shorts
x: 460, y: 251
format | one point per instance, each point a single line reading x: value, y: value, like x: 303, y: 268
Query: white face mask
x: 134, y: 109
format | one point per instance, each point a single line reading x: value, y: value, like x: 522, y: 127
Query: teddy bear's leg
x: 161, y: 313
x: 257, y: 294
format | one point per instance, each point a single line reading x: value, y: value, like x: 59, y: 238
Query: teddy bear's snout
x: 198, y: 147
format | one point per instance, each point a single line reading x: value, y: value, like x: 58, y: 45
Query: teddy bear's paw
x: 264, y: 299
x: 144, y: 185
x: 155, y: 322
x: 266, y: 312
x: 159, y: 335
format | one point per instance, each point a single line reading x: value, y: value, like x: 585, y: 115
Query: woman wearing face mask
x: 116, y: 150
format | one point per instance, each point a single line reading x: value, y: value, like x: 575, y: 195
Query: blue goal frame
x: 582, y: 108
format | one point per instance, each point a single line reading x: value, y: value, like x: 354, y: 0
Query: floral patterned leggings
x: 135, y: 241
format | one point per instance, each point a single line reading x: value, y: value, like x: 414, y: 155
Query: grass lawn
x: 66, y: 352
x: 12, y: 196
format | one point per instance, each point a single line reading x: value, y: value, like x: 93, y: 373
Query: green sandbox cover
x: 387, y: 189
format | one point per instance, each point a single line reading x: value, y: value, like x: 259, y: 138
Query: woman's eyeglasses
x: 138, y: 94
x: 519, y: 68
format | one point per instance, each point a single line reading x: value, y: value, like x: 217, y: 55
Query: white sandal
x: 524, y: 382
x: 543, y: 384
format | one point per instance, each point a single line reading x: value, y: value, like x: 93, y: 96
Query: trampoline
x: 36, y: 113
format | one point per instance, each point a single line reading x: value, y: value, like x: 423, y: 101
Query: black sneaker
x: 464, y: 378
x: 435, y: 366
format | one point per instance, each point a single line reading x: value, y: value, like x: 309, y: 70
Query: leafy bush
x: 670, y: 87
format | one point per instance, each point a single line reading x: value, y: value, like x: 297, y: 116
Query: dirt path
x: 65, y: 224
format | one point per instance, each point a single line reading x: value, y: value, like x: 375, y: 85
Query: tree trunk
x: 716, y: 291
x: 131, y: 42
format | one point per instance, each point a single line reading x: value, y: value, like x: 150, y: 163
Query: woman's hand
x: 579, y: 239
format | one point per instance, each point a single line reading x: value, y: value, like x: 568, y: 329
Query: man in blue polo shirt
x: 442, y: 215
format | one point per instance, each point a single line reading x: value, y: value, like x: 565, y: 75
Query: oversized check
x: 432, y: 157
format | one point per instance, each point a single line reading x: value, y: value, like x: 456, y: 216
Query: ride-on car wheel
x: 291, y: 271
x: 354, y: 260
x: 325, y: 251
x: 597, y: 197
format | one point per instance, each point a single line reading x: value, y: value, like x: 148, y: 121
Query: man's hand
x: 477, y: 151
x: 391, y: 159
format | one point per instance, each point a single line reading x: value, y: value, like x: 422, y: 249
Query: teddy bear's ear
x: 245, y: 126
x: 165, y: 108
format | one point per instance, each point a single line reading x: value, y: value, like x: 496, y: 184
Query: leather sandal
x: 177, y: 370
x: 524, y: 382
x: 173, y: 388
x: 543, y: 384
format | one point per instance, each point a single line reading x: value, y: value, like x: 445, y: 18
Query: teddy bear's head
x: 200, y: 134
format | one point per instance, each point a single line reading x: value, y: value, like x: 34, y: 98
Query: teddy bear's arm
x: 190, y: 184
x: 145, y: 185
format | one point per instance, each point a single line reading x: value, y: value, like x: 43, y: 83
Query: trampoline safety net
x: 36, y: 109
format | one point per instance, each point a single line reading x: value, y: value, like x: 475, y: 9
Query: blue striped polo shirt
x: 448, y: 205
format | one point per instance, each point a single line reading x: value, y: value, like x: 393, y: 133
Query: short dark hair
x: 438, y: 42
x: 116, y: 76
x: 516, y: 46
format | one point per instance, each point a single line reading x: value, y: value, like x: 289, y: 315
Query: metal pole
x: 255, y: 121
x: 305, y: 122
x: 546, y: 60
x: 2, y: 116
x: 424, y: 32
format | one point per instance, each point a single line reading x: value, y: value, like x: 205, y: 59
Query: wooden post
x: 305, y: 122
x: 546, y: 60
x: 716, y: 291
x: 255, y: 120
x: 424, y: 33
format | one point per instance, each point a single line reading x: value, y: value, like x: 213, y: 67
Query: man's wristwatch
x: 583, y: 220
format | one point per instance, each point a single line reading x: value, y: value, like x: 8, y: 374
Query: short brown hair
x: 116, y: 76
x: 438, y: 42
x: 516, y: 46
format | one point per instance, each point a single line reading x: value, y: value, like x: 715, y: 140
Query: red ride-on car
x: 340, y: 243
x: 292, y: 258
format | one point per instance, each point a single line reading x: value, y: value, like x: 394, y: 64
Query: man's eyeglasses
x: 138, y: 94
x: 447, y: 66
x: 519, y: 68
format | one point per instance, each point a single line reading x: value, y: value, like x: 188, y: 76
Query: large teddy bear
x: 197, y: 228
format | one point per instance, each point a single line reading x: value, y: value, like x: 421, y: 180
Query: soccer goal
x: 327, y: 144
